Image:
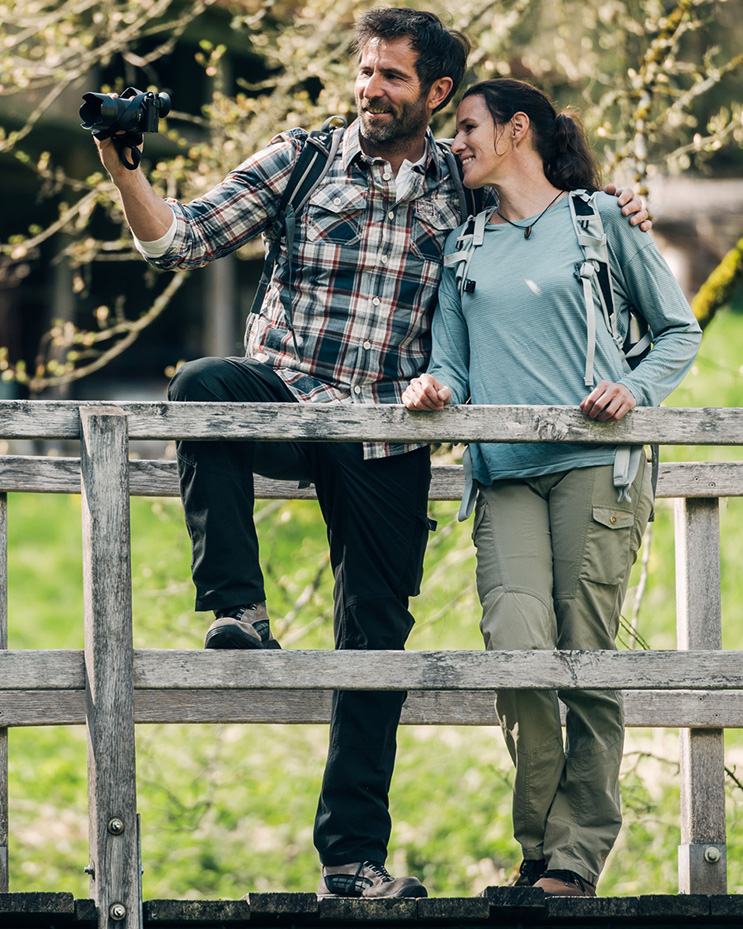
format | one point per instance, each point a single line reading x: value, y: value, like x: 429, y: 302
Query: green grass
x: 229, y: 809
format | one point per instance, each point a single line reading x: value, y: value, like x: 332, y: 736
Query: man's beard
x: 398, y: 130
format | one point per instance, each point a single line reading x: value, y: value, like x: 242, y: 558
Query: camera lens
x: 100, y: 110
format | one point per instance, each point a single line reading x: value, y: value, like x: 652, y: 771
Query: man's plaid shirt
x: 365, y: 270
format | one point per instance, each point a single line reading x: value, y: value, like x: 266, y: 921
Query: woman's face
x: 480, y: 143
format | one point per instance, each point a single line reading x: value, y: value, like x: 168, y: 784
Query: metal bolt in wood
x: 117, y: 911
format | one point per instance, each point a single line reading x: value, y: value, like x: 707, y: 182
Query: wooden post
x: 115, y: 882
x: 3, y: 730
x: 702, y: 853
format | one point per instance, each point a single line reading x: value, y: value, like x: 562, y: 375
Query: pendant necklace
x: 528, y: 229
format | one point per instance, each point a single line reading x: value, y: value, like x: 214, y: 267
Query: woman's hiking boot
x: 558, y: 883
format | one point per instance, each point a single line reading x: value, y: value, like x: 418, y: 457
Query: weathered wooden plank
x: 451, y: 670
x: 42, y: 669
x: 648, y: 709
x: 357, y: 422
x: 205, y: 914
x: 454, y: 911
x: 147, y: 478
x: 112, y: 805
x: 698, y: 603
x: 3, y: 726
x: 186, y: 669
x: 380, y: 911
x: 52, y: 906
x: 675, y: 479
x: 701, y: 479
x: 159, y: 478
x: 702, y: 852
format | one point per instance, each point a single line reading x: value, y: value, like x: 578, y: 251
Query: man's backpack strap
x: 313, y: 163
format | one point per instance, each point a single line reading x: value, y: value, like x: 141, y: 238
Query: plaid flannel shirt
x: 364, y: 276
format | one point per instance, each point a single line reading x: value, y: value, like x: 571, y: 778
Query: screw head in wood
x: 116, y: 825
x: 117, y: 911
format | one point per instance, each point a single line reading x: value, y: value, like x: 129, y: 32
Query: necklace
x: 528, y: 229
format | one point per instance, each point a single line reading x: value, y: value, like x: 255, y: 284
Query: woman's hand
x: 608, y: 402
x: 426, y: 393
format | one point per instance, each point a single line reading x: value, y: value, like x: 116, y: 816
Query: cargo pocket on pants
x: 607, y: 554
x: 413, y: 574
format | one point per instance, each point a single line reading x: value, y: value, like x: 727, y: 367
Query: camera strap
x: 129, y: 142
x: 123, y: 142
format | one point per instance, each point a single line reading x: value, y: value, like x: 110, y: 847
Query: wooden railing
x: 111, y: 687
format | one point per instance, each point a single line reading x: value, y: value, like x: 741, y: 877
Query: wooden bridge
x: 110, y: 686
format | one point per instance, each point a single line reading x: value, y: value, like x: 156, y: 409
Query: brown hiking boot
x: 366, y: 879
x: 560, y: 883
x: 241, y: 627
x: 530, y: 870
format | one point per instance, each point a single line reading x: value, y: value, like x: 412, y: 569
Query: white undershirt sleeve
x: 157, y: 247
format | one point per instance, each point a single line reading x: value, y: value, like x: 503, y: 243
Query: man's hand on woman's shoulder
x: 631, y: 205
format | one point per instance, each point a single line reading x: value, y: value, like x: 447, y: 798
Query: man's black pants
x: 375, y: 513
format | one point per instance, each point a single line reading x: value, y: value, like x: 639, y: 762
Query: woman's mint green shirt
x: 521, y: 337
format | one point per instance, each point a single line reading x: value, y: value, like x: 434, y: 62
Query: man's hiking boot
x: 560, y: 883
x: 530, y: 870
x: 367, y: 879
x: 241, y: 627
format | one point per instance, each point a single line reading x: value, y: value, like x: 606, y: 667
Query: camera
x: 133, y: 111
x: 123, y: 119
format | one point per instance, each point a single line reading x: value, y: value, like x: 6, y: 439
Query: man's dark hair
x: 441, y: 52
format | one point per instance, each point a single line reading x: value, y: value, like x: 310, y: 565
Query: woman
x: 554, y: 543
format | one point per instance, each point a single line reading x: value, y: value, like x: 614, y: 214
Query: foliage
x: 719, y: 287
x: 649, y: 74
x: 229, y: 809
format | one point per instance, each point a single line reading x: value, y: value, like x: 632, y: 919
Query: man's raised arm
x: 148, y: 215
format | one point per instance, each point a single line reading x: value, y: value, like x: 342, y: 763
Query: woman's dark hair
x: 441, y: 52
x: 560, y: 140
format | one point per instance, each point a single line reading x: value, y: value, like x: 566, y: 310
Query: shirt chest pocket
x: 335, y: 214
x: 433, y: 220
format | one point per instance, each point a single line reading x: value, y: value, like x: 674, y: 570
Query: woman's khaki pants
x: 553, y: 560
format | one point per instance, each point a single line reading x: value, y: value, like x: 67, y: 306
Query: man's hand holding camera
x: 121, y: 120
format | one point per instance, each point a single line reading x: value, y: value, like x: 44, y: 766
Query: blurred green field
x: 229, y: 809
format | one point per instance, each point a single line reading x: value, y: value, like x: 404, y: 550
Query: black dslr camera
x: 123, y: 119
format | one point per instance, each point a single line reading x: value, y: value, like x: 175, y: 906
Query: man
x: 352, y: 327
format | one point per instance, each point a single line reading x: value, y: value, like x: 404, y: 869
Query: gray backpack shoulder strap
x: 470, y: 238
x: 594, y: 272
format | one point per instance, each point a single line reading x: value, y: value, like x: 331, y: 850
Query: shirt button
x: 376, y: 301
x: 613, y: 519
x: 337, y: 201
x: 384, y: 259
x: 357, y: 389
x: 386, y: 176
x: 367, y: 345
x: 390, y: 215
